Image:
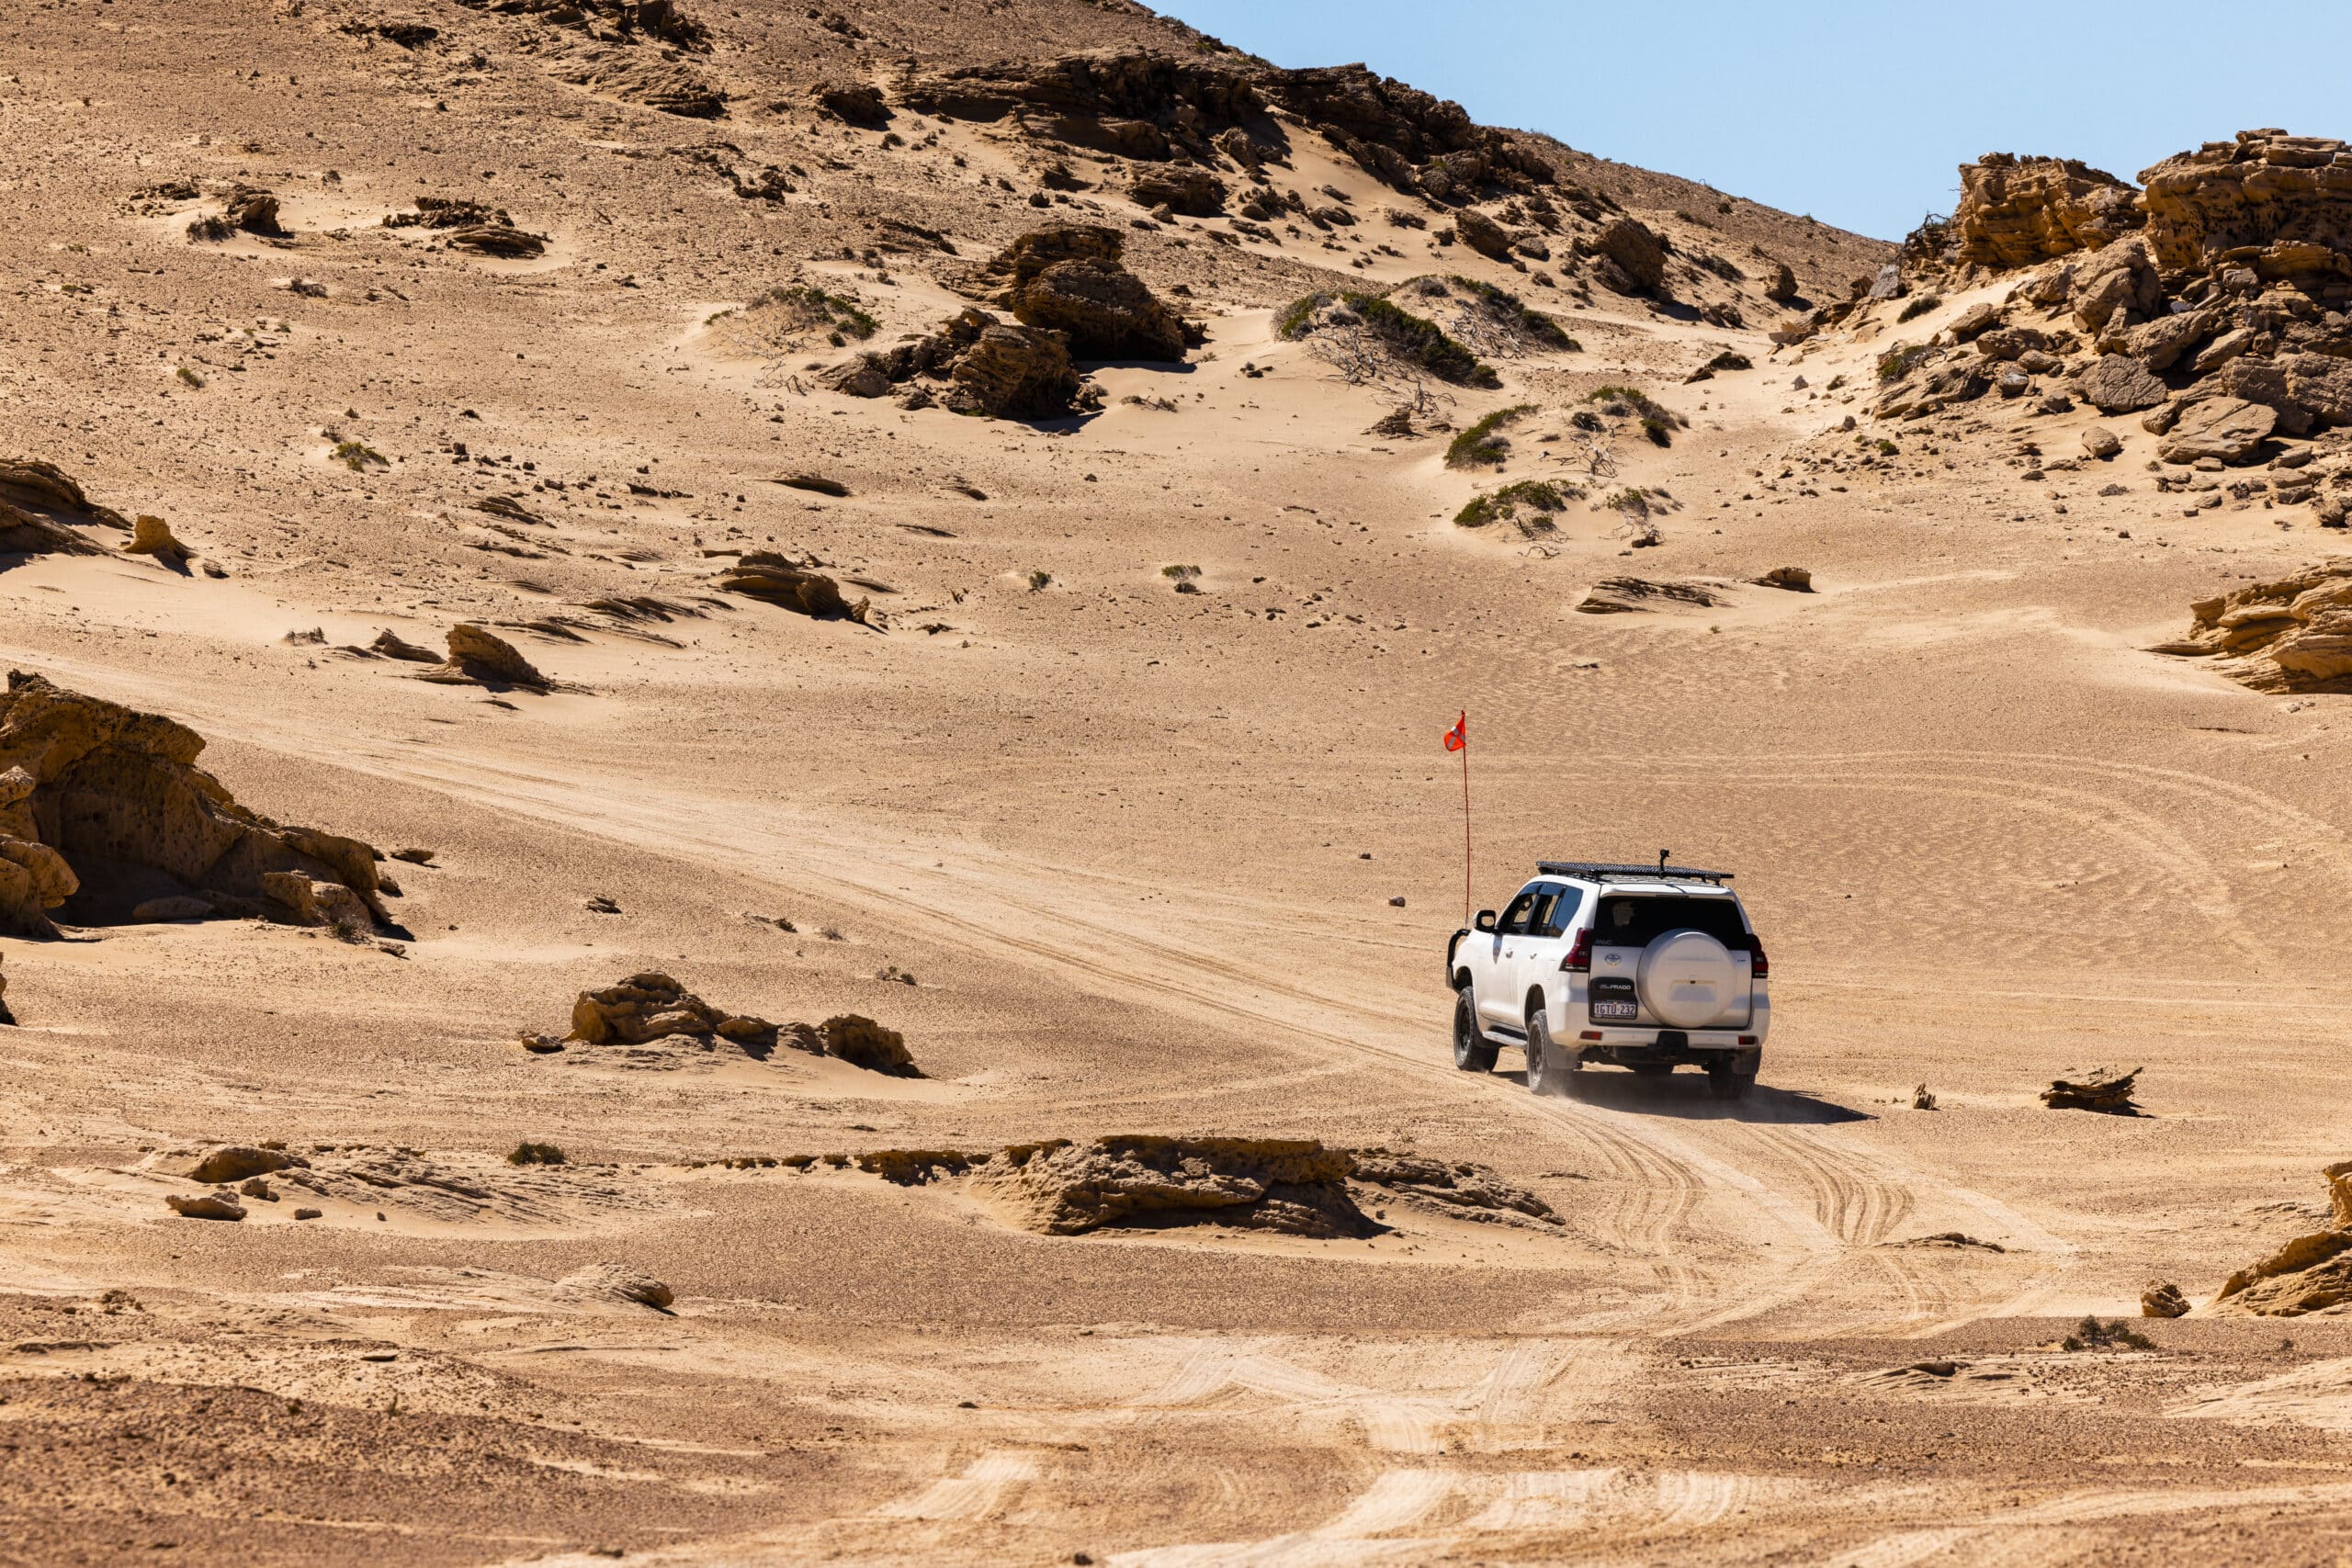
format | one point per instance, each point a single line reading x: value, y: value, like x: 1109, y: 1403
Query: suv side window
x: 1563, y: 913
x: 1514, y: 920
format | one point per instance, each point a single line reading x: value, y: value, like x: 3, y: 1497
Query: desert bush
x: 1477, y: 444
x: 528, y: 1153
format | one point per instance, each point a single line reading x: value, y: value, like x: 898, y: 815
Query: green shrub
x: 356, y: 456
x: 1886, y: 448
x: 1502, y: 506
x: 1180, y: 573
x: 1659, y: 429
x: 528, y: 1153
x: 1410, y: 337
x: 1632, y: 498
x: 1038, y: 577
x: 190, y: 376
x: 1475, y: 445
x: 1515, y: 311
x: 814, y: 307
x: 1918, y: 307
x: 1897, y: 363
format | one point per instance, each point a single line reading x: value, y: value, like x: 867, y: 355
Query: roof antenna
x: 1661, y: 860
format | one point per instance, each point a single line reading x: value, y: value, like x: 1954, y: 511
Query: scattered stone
x: 1795, y: 578
x: 2227, y: 428
x: 2162, y: 1298
x: 255, y: 1187
x: 814, y: 482
x: 152, y: 536
x: 2101, y: 443
x: 2117, y: 383
x: 479, y: 656
x: 206, y: 1206
x: 862, y: 1043
x: 2098, y: 1089
x: 988, y: 367
x: 414, y: 856
x: 651, y: 1006
x: 310, y: 1213
x: 91, y: 785
x: 1195, y: 193
x: 1483, y: 234
x: 779, y: 580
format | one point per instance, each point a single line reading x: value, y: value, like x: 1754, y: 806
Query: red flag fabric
x: 1459, y: 736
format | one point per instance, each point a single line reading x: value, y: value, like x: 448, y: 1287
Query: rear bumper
x: 1738, y: 1049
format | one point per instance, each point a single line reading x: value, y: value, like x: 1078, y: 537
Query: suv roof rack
x: 1595, y: 871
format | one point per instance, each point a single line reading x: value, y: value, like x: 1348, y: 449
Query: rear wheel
x: 1725, y: 1084
x: 1472, y: 1052
x: 1548, y: 1072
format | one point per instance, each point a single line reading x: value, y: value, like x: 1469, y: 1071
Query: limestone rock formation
x: 617, y: 1282
x: 154, y: 537
x: 1465, y: 1191
x: 470, y: 225
x: 479, y: 656
x: 2279, y: 205
x: 1483, y: 235
x: 102, y: 807
x: 1784, y: 287
x: 2291, y: 635
x: 651, y: 1006
x: 1070, y: 278
x: 206, y: 1206
x: 2017, y: 211
x: 391, y: 645
x: 2162, y: 1298
x: 1195, y: 192
x: 1138, y: 103
x: 980, y: 364
x: 1636, y: 261
x: 1296, y: 1187
x: 862, y: 1043
x: 2310, y: 1273
x: 41, y: 508
x: 2120, y: 277
x: 2098, y: 1089
x: 235, y: 1162
x: 1795, y: 578
x: 779, y: 580
x: 858, y: 103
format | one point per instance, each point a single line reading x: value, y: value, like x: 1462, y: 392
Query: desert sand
x: 1086, y: 763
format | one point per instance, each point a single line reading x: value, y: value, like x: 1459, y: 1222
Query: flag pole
x: 1465, y: 820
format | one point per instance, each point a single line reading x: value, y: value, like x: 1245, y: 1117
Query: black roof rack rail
x: 1595, y: 871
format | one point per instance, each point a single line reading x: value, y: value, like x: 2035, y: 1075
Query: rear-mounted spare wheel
x: 1686, y: 978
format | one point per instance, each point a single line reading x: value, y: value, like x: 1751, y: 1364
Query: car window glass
x: 1635, y: 920
x: 1539, y: 914
x: 1514, y: 920
x: 1564, y: 911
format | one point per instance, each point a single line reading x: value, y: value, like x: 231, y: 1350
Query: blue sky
x: 1855, y: 113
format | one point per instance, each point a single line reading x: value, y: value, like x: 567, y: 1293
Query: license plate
x: 1615, y: 1010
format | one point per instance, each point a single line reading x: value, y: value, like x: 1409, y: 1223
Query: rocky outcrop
x: 653, y: 1006
x: 244, y: 209
x: 616, y: 1282
x: 2017, y: 211
x: 977, y: 365
x: 1784, y: 287
x: 1412, y: 139
x: 1483, y: 234
x: 479, y: 656
x: 856, y: 103
x: 1633, y: 260
x: 2310, y: 1273
x: 659, y: 21
x: 1453, y: 1187
x: 2278, y: 205
x: 2291, y: 635
x: 41, y: 508
x: 1069, y: 279
x: 2118, y: 384
x: 1295, y: 1187
x: 235, y: 1162
x: 469, y: 225
x: 1195, y: 192
x: 780, y: 580
x: 2098, y: 1089
x: 154, y: 537
x: 103, y: 808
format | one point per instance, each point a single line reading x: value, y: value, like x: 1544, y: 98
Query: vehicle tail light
x: 1580, y: 958
x: 1759, y: 965
x: 1589, y: 1034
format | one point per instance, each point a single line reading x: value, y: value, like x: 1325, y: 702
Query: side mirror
x: 1485, y: 920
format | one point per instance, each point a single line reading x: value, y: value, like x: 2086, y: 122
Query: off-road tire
x: 1473, y: 1052
x: 1725, y: 1084
x: 1546, y: 1073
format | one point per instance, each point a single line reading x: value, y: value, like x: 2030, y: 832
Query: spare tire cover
x: 1686, y: 978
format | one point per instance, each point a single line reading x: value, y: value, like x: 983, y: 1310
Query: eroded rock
x: 653, y: 1006
x: 206, y: 1206
x: 2291, y: 635
x: 2098, y: 1089
x: 1636, y: 260
x: 42, y: 507
x: 2225, y: 428
x: 616, y: 1282
x: 103, y: 808
x: 780, y: 580
x: 236, y: 1162
x: 479, y: 656
x: 2017, y: 211
x: 1069, y: 279
x: 1296, y: 1187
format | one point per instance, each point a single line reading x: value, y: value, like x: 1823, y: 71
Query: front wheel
x: 1472, y: 1051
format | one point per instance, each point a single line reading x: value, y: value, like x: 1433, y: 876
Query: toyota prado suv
x: 1633, y: 965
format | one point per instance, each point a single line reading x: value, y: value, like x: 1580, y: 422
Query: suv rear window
x: 1635, y: 921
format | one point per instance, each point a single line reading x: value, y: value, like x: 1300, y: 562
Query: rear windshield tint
x: 1625, y: 922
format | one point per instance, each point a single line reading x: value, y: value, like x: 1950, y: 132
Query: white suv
x: 1643, y: 967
